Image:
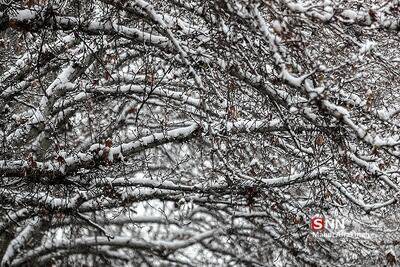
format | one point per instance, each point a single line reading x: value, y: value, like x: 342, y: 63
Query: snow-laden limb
x: 151, y: 183
x: 125, y: 89
x: 96, y: 153
x: 102, y: 252
x: 367, y: 47
x: 276, y: 94
x: 118, y: 241
x: 112, y: 28
x: 24, y: 64
x: 95, y: 225
x: 344, y: 116
x: 366, y: 15
x: 153, y: 140
x: 278, y: 51
x: 296, y: 177
x: 36, y: 20
x: 14, y: 218
x: 372, y: 168
x: 47, y: 201
x: 158, y: 19
x: 62, y: 83
x: 123, y: 220
x: 292, y: 80
x: 20, y: 240
x: 12, y: 166
x: 360, y: 202
x: 248, y: 126
x: 337, y: 111
x: 386, y: 114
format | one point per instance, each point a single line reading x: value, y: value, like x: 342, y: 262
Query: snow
x: 312, y: 91
x: 292, y: 80
x: 383, y: 114
x: 250, y: 125
x: 127, y: 148
x: 183, y: 132
x: 327, y: 3
x: 293, y: 110
x: 276, y: 25
x: 25, y: 15
x: 299, y: 6
x: 367, y: 47
x: 18, y: 243
x: 37, y: 117
x: 310, y: 113
x: 390, y: 141
x: 295, y: 177
x: 337, y: 110
x: 350, y: 14
x: 181, y: 148
x: 387, y: 113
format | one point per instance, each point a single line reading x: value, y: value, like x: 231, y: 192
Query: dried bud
x: 108, y: 142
